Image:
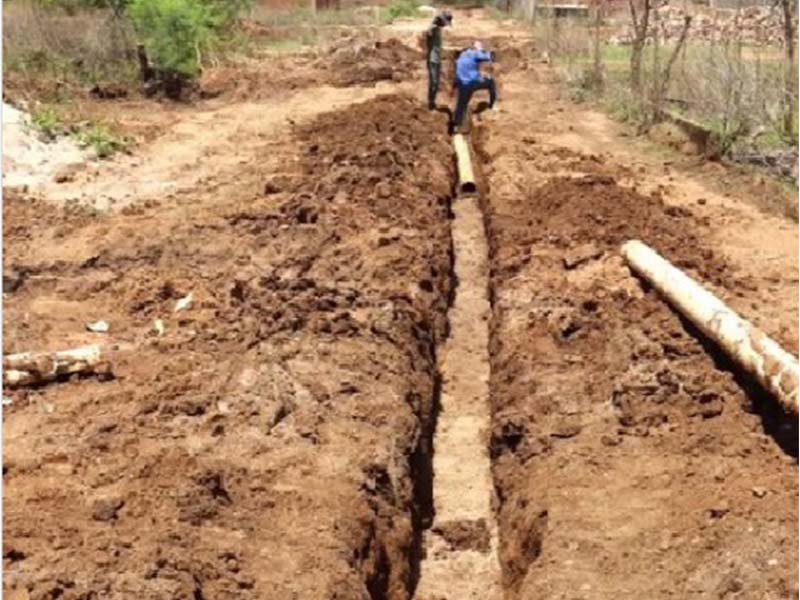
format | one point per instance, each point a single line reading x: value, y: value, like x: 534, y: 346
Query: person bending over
x: 469, y: 79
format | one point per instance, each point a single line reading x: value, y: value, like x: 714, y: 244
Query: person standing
x: 433, y: 44
x: 469, y: 79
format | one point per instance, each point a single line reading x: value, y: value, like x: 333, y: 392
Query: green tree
x: 174, y: 32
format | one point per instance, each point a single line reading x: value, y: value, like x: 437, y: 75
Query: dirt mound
x: 510, y: 53
x: 351, y: 62
x: 346, y: 63
x: 261, y: 79
x: 284, y: 409
x: 569, y: 211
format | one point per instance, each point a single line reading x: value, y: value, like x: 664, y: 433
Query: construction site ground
x: 381, y: 388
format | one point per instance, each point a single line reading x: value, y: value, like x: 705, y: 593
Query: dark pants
x: 433, y: 83
x: 465, y: 91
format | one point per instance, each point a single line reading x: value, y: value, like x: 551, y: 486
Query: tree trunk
x: 597, y: 75
x: 653, y: 87
x: 790, y: 67
x: 530, y: 10
x: 640, y: 28
x: 636, y: 66
x: 146, y: 72
x: 666, y: 74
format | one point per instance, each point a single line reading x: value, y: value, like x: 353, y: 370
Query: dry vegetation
x: 49, y: 51
x: 741, y: 90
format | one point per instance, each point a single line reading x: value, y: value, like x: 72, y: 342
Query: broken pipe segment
x: 751, y: 349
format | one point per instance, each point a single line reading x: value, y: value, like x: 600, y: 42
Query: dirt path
x: 206, y: 148
x: 460, y: 559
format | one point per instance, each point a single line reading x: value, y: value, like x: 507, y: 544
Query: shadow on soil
x: 421, y: 461
x: 778, y: 424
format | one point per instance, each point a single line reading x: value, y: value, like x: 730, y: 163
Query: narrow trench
x: 456, y: 547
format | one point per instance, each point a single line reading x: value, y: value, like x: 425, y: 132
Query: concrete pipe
x: 466, y: 178
x: 31, y: 368
x: 762, y: 357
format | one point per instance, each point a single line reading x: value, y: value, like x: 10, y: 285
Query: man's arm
x: 483, y: 55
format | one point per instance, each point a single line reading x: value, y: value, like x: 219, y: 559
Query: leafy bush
x: 177, y: 32
x: 98, y: 137
x: 174, y: 32
x: 46, y: 120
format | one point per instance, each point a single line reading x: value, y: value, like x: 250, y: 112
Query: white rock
x: 184, y: 302
x: 98, y: 326
x: 158, y: 325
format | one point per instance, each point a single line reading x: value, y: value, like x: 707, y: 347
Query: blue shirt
x: 467, y: 65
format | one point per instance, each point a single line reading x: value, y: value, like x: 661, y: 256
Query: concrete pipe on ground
x: 762, y: 357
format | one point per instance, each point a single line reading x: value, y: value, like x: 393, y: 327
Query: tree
x: 663, y: 77
x: 175, y: 33
x: 597, y: 68
x: 640, y: 19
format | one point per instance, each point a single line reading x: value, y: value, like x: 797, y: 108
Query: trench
x: 458, y: 547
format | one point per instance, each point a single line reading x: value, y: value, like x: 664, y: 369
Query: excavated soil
x: 344, y: 63
x: 630, y: 458
x: 350, y: 62
x: 268, y: 444
x: 275, y: 438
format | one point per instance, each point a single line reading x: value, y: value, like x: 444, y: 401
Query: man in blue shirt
x: 469, y: 79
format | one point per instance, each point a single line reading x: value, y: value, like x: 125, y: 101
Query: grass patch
x: 98, y: 136
x: 400, y: 9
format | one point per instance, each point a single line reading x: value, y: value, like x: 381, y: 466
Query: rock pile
x: 754, y: 26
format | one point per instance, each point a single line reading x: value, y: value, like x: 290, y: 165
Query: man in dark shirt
x: 433, y: 43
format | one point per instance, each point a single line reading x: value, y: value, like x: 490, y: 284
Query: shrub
x: 174, y: 32
x: 98, y: 137
x: 46, y: 120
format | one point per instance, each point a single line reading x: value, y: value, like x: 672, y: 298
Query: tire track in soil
x: 460, y: 548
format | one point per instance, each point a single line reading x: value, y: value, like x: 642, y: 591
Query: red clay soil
x: 630, y: 461
x: 267, y: 445
x: 346, y: 62
x: 352, y: 62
